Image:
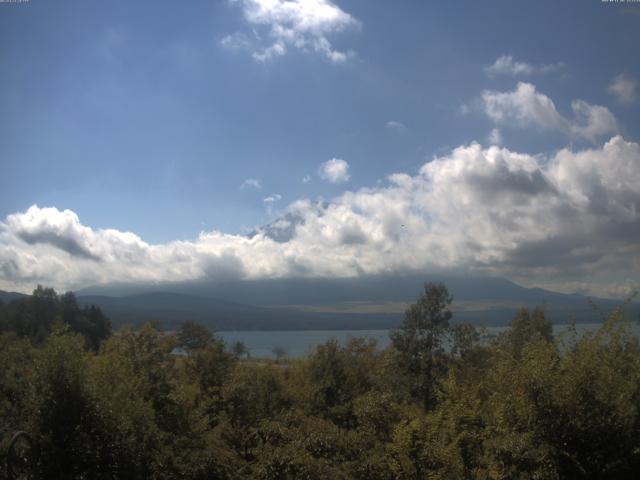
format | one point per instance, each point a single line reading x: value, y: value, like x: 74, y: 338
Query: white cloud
x: 495, y: 137
x: 592, y: 121
x: 623, y: 88
x: 395, y: 125
x: 306, y: 179
x: 563, y: 218
x: 300, y: 24
x: 274, y: 197
x: 251, y: 183
x: 335, y: 170
x: 506, y: 65
x: 237, y: 41
x: 526, y: 107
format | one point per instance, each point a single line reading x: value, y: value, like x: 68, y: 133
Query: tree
x: 464, y: 339
x: 194, y: 336
x: 36, y: 315
x: 3, y: 317
x: 99, y: 326
x: 333, y: 376
x: 279, y: 352
x: 419, y: 340
x: 211, y: 365
x: 240, y: 349
x: 89, y: 321
x: 527, y: 327
x: 72, y: 442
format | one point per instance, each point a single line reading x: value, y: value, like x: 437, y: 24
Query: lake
x: 300, y: 342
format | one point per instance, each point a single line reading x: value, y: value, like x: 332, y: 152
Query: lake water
x: 300, y: 342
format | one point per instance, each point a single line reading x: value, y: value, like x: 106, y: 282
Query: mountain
x: 171, y: 309
x: 351, y: 303
x: 368, y: 302
x: 324, y: 291
x: 6, y: 297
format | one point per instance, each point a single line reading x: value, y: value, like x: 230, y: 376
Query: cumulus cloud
x: 251, y: 183
x: 592, y: 121
x: 486, y: 209
x: 526, y: 107
x: 506, y: 65
x: 301, y: 24
x: 623, y: 88
x: 335, y: 170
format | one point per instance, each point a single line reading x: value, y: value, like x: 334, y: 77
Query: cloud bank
x: 485, y: 209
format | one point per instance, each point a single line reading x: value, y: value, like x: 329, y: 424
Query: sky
x: 166, y: 141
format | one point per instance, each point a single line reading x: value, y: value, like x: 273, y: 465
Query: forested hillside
x: 442, y: 402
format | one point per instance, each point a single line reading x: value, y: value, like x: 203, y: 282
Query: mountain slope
x: 171, y: 309
x: 369, y: 302
x: 6, y: 297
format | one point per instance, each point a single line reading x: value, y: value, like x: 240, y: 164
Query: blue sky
x: 150, y: 117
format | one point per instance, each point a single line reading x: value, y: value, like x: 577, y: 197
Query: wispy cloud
x: 237, y: 41
x: 300, y: 24
x: 251, y: 183
x: 507, y: 65
x: 495, y: 137
x: 274, y: 197
x: 270, y: 203
x: 623, y: 88
x: 395, y: 125
x: 306, y: 179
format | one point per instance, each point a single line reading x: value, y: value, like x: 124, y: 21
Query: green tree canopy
x: 420, y: 338
x: 194, y: 336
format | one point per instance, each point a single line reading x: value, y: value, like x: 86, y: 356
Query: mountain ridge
x: 330, y: 304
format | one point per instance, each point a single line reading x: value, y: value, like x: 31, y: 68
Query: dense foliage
x: 442, y: 402
x: 36, y: 316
